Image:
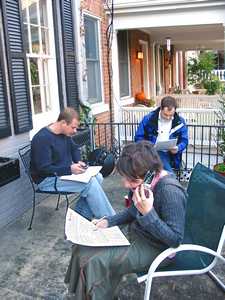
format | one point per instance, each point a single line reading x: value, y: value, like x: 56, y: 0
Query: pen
x: 96, y: 228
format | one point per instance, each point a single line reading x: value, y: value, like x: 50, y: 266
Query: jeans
x: 165, y: 158
x: 93, y: 201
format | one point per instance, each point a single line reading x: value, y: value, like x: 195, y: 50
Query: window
x: 37, y: 29
x: 92, y: 60
x: 123, y: 63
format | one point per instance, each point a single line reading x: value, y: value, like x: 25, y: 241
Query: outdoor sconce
x: 168, y: 44
x: 140, y: 55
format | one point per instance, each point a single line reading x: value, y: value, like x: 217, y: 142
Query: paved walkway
x: 33, y: 263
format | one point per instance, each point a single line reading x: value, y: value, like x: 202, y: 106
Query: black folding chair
x: 25, y: 155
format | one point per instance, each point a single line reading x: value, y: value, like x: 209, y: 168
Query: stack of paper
x: 83, y: 177
x: 80, y: 231
x: 165, y: 145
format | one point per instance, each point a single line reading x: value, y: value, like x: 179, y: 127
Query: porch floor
x: 33, y: 263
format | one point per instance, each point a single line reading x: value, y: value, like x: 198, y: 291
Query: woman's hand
x: 100, y: 223
x: 143, y: 200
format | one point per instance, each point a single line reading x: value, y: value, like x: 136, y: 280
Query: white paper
x: 80, y: 231
x: 165, y: 145
x: 84, y: 177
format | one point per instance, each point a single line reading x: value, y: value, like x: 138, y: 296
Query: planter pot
x: 9, y: 170
x: 220, y: 168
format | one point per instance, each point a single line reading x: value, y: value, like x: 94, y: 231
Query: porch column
x: 115, y: 78
x: 153, y: 73
x: 158, y: 71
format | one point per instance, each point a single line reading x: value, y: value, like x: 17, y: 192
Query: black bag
x: 101, y: 157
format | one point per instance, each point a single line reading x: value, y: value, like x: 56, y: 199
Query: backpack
x: 101, y: 157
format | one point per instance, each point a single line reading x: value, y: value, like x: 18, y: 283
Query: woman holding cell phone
x: 156, y: 221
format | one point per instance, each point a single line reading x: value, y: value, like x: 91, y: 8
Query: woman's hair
x: 137, y: 159
x: 67, y: 115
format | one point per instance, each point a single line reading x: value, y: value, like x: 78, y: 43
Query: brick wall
x: 96, y: 8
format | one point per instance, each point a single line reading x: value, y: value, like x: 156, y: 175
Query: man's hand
x: 174, y: 150
x: 77, y: 168
x: 82, y: 164
x: 143, y: 200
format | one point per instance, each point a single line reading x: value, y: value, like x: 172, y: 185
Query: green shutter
x: 17, y: 67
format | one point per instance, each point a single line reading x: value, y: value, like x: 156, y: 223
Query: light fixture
x: 168, y: 44
x: 140, y: 55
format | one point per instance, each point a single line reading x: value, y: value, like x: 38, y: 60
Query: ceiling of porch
x: 195, y: 37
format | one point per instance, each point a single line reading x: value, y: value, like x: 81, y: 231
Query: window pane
x: 24, y: 11
x: 34, y: 71
x: 26, y: 39
x: 94, y: 82
x: 35, y: 39
x: 33, y: 12
x: 43, y: 13
x: 46, y: 96
x: 122, y: 45
x: 124, y: 85
x: 37, y: 100
x: 44, y: 37
x: 91, y: 38
x: 123, y: 63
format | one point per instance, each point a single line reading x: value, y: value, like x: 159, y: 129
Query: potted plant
x: 220, y: 167
x: 82, y: 136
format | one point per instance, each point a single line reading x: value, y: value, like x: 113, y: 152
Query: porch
x: 33, y: 263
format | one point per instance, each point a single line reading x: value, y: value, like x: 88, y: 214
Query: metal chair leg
x: 67, y: 202
x: 216, y: 280
x: 33, y: 210
x: 57, y: 206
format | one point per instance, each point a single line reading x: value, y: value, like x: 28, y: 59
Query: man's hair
x: 137, y: 159
x: 67, y: 115
x: 168, y: 102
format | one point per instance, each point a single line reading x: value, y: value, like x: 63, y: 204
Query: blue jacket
x: 148, y: 130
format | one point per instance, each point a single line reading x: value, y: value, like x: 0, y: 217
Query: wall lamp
x: 168, y: 44
x: 139, y: 55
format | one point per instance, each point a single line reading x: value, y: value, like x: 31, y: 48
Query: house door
x: 145, y: 68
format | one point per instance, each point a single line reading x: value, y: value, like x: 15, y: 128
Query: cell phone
x: 147, y: 189
x: 85, y: 166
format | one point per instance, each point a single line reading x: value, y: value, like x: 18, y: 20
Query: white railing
x: 192, y: 116
x: 193, y: 101
x: 220, y: 74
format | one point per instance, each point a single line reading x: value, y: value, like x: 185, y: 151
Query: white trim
x: 98, y: 22
x: 126, y: 100
x: 91, y: 15
x: 47, y: 116
x: 157, y: 6
x: 99, y: 108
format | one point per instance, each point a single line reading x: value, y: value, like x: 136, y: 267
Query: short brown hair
x: 168, y: 102
x: 137, y: 159
x: 67, y: 115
